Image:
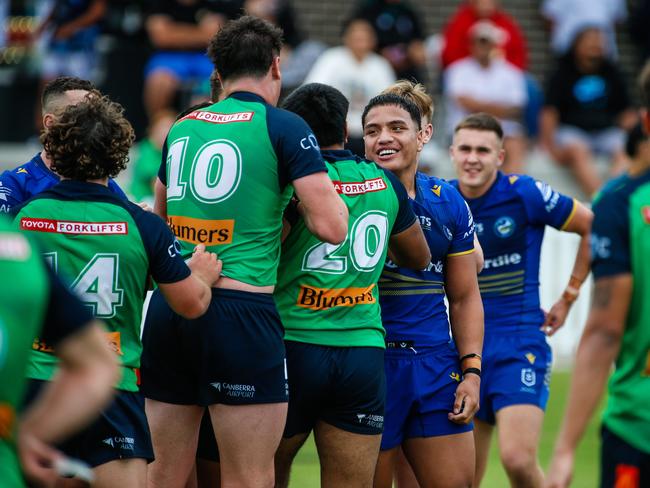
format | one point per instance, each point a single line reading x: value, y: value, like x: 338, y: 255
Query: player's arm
x: 598, y: 348
x: 324, y: 212
x: 479, y: 258
x: 578, y: 222
x: 466, y: 317
x: 190, y: 297
x: 160, y: 202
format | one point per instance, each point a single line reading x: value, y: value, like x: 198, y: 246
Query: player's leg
x: 519, y: 430
x: 125, y: 473
x: 431, y: 458
x: 385, y: 469
x: 248, y: 436
x: 284, y: 457
x: 174, y: 432
x: 482, y: 440
x: 404, y: 475
x: 346, y: 458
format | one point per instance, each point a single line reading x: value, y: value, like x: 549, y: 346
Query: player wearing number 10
x: 328, y: 300
x: 106, y: 248
x: 231, y: 169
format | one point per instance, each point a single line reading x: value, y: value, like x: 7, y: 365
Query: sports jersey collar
x: 83, y: 190
x: 40, y: 165
x: 500, y: 176
x: 333, y: 155
x: 245, y: 96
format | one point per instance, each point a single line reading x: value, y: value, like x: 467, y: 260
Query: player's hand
x: 555, y: 317
x: 205, y: 265
x: 37, y: 460
x: 560, y: 471
x: 467, y: 398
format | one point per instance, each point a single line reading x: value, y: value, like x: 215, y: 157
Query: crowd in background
x: 150, y: 56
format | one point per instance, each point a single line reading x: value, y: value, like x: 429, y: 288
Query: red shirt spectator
x: 457, y: 39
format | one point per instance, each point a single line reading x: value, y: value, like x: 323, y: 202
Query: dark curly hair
x: 90, y: 140
x: 245, y: 47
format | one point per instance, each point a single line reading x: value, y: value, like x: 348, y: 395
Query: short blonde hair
x: 416, y: 93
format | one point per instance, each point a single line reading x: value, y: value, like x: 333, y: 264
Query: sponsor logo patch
x: 201, y: 231
x: 627, y: 476
x: 325, y: 298
x: 531, y: 357
x: 72, y: 227
x: 374, y: 421
x: 215, y: 118
x: 504, y: 226
x: 359, y: 187
x: 234, y: 390
x: 528, y: 376
x: 645, y: 212
x: 114, y: 340
x: 4, y: 192
x: 436, y: 190
x: 124, y: 443
x: 7, y: 419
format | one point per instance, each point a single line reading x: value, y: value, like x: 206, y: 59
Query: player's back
x: 229, y: 168
x: 620, y: 243
x: 327, y: 294
x: 100, y: 246
x: 23, y: 305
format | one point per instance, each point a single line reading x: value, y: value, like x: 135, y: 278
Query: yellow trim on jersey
x: 460, y: 253
x: 392, y: 284
x: 501, y: 275
x: 401, y: 277
x: 515, y: 281
x: 573, y: 211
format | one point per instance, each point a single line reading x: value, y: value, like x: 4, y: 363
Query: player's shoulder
x: 523, y: 185
x: 618, y: 191
x: 438, y: 190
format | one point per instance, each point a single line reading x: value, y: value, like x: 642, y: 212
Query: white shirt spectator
x: 500, y: 83
x: 569, y: 17
x: 359, y: 81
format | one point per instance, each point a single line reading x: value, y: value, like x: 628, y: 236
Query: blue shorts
x: 420, y: 387
x: 186, y: 66
x: 234, y: 354
x: 622, y: 464
x: 120, y: 432
x: 515, y: 371
x: 342, y: 386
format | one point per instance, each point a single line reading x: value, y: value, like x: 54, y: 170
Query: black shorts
x: 120, y: 432
x: 207, y: 447
x: 234, y: 354
x: 342, y: 386
x: 622, y: 464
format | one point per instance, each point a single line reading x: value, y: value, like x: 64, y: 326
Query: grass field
x: 305, y: 472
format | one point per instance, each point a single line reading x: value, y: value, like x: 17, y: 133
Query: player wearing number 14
x: 105, y: 249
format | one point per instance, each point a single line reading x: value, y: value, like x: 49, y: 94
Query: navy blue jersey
x: 22, y: 183
x: 412, y: 302
x: 510, y: 220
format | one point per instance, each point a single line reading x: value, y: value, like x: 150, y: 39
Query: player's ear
x: 345, y: 132
x: 48, y: 120
x: 502, y: 156
x: 275, y: 68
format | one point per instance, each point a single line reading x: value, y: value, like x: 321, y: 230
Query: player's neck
x: 407, y: 178
x: 98, y: 181
x: 46, y: 160
x: 334, y: 147
x: 638, y: 167
x: 259, y: 86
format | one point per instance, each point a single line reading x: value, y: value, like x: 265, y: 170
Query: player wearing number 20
x: 328, y: 301
x: 106, y: 248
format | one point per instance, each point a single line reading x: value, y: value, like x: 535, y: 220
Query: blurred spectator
x: 400, y: 35
x: 569, y: 17
x: 149, y: 150
x: 586, y: 110
x: 638, y: 28
x: 179, y: 31
x: 69, y: 33
x: 298, y: 53
x: 485, y: 82
x: 357, y: 72
x: 457, y: 41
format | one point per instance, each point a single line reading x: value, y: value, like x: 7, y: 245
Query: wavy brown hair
x: 89, y: 140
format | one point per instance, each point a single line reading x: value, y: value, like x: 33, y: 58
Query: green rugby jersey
x: 105, y: 249
x: 620, y: 243
x: 228, y: 169
x: 327, y: 294
x: 34, y: 299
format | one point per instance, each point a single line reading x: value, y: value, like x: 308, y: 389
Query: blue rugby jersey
x: 20, y: 184
x: 412, y: 302
x: 510, y: 219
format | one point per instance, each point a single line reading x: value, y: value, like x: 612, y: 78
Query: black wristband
x: 475, y: 371
x: 471, y: 355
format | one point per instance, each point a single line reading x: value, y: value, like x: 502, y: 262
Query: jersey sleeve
x: 11, y: 194
x: 405, y: 216
x: 65, y: 315
x: 295, y: 146
x: 610, y: 237
x: 462, y: 241
x: 544, y: 205
x: 166, y: 264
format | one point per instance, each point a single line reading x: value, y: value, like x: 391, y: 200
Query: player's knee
x: 519, y: 461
